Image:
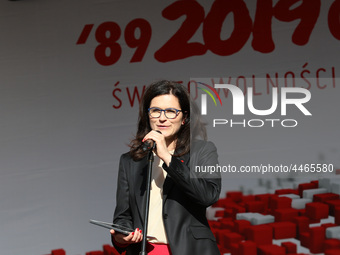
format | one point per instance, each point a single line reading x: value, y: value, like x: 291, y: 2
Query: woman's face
x: 168, y: 127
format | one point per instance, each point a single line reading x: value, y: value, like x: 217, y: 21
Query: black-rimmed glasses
x: 170, y: 113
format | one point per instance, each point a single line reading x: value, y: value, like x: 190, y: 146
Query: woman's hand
x: 161, y: 149
x: 123, y: 240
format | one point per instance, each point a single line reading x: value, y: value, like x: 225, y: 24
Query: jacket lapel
x: 169, y: 183
x: 140, y: 176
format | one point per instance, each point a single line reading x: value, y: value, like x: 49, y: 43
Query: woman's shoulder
x: 127, y: 156
x: 202, y: 147
x: 202, y: 144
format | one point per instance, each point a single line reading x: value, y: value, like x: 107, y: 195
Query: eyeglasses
x: 169, y: 113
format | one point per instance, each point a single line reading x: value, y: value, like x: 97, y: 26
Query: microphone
x: 149, y: 144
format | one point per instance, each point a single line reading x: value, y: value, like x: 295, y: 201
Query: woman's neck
x: 171, y: 144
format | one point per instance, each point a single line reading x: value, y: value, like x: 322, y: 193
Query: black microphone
x: 149, y: 144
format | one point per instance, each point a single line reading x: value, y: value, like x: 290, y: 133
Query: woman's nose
x: 162, y: 117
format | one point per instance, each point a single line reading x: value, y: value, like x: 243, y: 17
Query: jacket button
x: 165, y: 216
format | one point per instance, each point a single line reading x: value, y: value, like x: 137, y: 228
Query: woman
x: 179, y: 195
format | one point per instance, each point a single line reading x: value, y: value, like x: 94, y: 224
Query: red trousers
x: 158, y: 249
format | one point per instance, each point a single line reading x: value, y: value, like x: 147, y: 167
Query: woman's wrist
x: 167, y: 159
x: 120, y: 245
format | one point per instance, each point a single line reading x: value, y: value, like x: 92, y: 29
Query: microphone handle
x: 149, y: 144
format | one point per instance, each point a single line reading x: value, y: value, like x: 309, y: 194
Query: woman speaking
x: 179, y: 196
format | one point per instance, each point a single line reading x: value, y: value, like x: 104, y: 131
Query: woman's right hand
x: 124, y: 240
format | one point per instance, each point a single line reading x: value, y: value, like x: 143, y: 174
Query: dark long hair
x: 159, y: 88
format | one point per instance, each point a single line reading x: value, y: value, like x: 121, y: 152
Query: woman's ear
x: 185, y: 120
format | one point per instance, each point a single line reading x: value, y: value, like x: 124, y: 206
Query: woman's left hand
x: 161, y: 147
